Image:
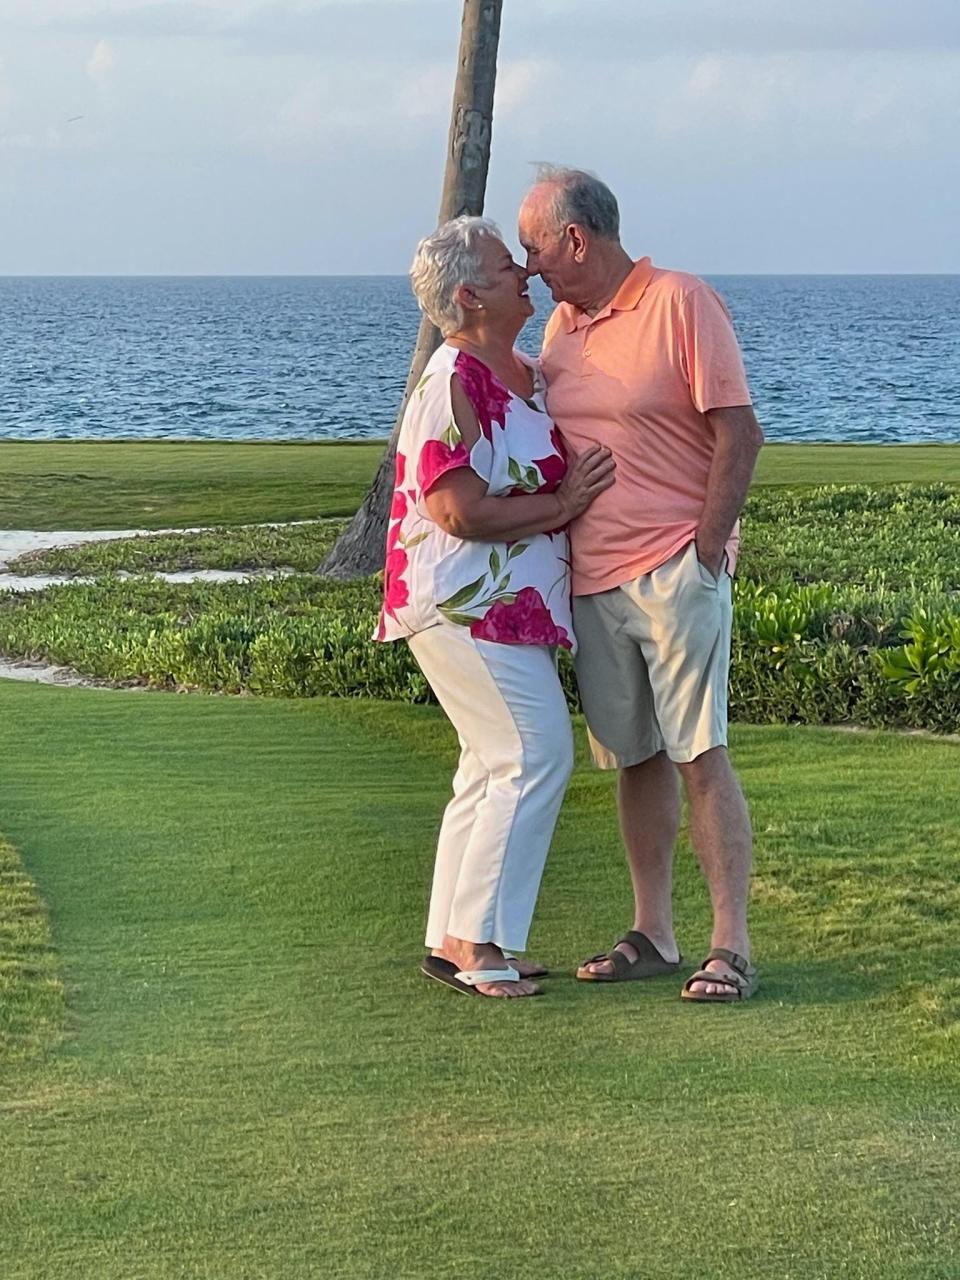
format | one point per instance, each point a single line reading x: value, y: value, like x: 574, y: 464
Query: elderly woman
x: 477, y: 582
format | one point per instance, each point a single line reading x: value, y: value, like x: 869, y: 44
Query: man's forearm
x: 738, y: 442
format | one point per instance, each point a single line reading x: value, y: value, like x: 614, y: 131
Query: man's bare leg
x: 649, y: 804
x: 721, y: 837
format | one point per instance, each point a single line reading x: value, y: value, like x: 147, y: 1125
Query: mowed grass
x: 127, y: 485
x: 100, y: 485
x: 251, y: 1079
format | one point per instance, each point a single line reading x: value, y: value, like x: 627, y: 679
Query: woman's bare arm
x: 460, y: 505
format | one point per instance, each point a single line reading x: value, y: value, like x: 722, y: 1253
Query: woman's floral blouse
x: 508, y: 592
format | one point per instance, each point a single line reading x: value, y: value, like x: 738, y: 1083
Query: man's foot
x: 736, y: 979
x: 659, y: 959
x: 469, y: 956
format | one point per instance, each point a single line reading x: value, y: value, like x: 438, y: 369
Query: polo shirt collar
x: 625, y: 299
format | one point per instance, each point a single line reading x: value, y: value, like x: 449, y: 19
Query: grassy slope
x: 257, y: 1083
x: 53, y: 485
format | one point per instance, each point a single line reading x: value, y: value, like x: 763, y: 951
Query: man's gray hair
x: 445, y: 260
x: 580, y: 197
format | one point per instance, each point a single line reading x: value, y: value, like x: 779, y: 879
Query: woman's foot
x: 469, y: 956
x: 525, y: 968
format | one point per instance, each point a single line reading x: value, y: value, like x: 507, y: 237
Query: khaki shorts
x: 653, y: 663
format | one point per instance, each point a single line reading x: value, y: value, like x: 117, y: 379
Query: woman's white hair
x: 445, y: 260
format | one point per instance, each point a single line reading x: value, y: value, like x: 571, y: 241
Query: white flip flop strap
x: 473, y: 977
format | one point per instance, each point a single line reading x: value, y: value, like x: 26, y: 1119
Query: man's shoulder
x: 558, y: 322
x: 675, y: 284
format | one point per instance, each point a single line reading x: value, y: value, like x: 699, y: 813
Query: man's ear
x: 578, y: 242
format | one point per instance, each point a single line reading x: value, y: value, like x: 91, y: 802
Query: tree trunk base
x: 361, y: 548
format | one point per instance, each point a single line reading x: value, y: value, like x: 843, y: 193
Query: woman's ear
x: 467, y: 298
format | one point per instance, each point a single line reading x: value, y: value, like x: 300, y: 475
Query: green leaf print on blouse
x: 463, y: 595
x: 465, y: 606
x: 526, y: 478
x: 452, y: 436
x: 412, y: 542
x: 419, y: 389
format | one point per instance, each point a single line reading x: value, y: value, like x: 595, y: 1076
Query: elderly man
x: 645, y: 361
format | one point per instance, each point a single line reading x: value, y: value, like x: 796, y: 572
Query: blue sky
x: 236, y: 136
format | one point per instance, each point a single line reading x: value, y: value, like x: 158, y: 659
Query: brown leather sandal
x: 743, y: 979
x: 648, y: 964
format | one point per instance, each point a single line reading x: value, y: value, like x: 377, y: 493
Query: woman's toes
x: 509, y: 989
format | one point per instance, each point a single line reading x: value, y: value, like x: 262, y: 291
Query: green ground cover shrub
x: 288, y: 637
x: 814, y: 654
x: 905, y: 535
x: 869, y: 635
x: 897, y: 535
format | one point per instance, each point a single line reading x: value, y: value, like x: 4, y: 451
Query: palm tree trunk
x: 359, y: 550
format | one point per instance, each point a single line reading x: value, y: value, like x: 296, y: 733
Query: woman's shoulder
x: 432, y: 389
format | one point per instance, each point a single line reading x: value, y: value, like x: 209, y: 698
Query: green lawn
x: 249, y: 1078
x: 91, y: 485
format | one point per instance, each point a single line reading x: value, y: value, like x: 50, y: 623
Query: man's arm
x: 738, y: 439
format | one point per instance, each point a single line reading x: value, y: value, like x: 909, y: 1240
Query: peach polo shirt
x: 639, y: 377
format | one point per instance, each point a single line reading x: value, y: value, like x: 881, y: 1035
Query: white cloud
x: 354, y: 102
x: 49, y: 139
x: 692, y: 103
x: 378, y: 105
x: 101, y: 63
x: 742, y: 107
x: 521, y: 82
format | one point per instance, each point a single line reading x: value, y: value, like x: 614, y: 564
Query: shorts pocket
x: 706, y: 577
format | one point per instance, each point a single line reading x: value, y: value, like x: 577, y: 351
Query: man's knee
x: 658, y: 763
x: 707, y: 771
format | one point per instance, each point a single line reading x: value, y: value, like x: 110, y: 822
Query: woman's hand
x: 588, y: 474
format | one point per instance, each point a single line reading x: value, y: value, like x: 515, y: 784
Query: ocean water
x: 839, y: 358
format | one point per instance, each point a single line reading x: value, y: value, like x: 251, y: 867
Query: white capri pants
x: 516, y: 756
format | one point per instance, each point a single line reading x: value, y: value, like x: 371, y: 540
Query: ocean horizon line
x: 401, y: 275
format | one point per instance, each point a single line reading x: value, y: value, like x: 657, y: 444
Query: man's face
x: 549, y: 249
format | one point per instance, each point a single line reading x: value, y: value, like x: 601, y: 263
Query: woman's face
x: 505, y: 297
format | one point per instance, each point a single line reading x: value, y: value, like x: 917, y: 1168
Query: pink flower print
x: 436, y: 458
x: 486, y: 393
x: 396, y: 593
x: 398, y: 508
x: 553, y: 467
x: 525, y: 620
